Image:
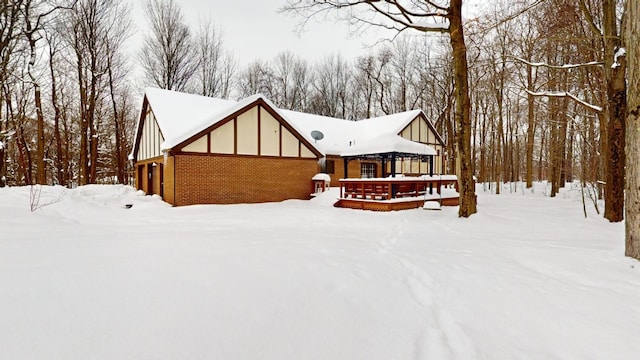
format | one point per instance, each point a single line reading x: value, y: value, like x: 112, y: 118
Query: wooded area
x: 546, y: 84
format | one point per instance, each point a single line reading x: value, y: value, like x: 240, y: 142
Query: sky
x: 253, y: 29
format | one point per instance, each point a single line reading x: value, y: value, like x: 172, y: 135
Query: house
x: 192, y: 149
x: 340, y: 136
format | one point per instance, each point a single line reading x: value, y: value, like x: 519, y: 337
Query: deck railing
x: 394, y: 188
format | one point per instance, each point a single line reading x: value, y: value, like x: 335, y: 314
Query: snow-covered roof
x: 338, y: 133
x: 211, y: 117
x: 178, y: 113
x: 388, y: 124
x: 181, y: 116
x: 388, y: 143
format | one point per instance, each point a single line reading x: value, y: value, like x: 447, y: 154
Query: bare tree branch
x: 567, y: 95
x: 560, y: 67
x: 587, y: 14
x: 404, y: 14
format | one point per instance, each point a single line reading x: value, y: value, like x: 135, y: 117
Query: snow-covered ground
x: 528, y: 277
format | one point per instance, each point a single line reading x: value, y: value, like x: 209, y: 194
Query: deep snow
x: 528, y: 277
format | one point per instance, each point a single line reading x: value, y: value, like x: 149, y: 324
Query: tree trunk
x: 120, y: 173
x: 451, y: 134
x: 3, y: 145
x: 617, y: 109
x: 543, y: 136
x: 483, y: 144
x: 93, y: 127
x: 83, y: 163
x: 56, y: 121
x: 632, y: 209
x: 500, y: 135
x: 24, y: 156
x: 562, y: 138
x: 530, y: 128
x: 40, y: 167
x: 68, y: 167
x: 614, y: 189
x: 569, y: 157
x: 463, y: 111
x: 554, y: 148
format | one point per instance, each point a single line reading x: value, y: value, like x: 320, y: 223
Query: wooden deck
x: 387, y: 194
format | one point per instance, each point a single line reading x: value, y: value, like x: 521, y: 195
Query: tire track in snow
x: 441, y: 338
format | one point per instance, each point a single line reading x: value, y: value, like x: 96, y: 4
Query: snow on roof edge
x: 210, y: 120
x: 388, y: 143
x: 179, y: 123
x: 207, y: 121
x: 131, y: 155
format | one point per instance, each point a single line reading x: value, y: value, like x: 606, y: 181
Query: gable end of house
x: 256, y: 129
x: 149, y: 135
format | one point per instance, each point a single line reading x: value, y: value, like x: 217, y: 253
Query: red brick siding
x: 241, y: 179
x: 169, y: 181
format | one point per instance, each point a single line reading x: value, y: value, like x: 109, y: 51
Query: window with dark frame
x: 367, y: 170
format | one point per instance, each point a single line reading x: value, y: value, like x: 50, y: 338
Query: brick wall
x: 241, y: 179
x: 169, y: 181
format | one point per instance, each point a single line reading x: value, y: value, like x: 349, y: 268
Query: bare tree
x: 499, y: 72
x: 632, y: 210
x: 527, y: 47
x: 168, y: 55
x: 216, y: 66
x: 95, y: 33
x: 402, y: 15
x: 257, y: 78
x: 599, y: 19
x: 614, y: 69
x: 403, y: 74
x: 86, y: 32
x: 57, y: 116
x: 34, y: 15
x: 9, y: 31
x: 331, y: 82
x: 117, y: 70
x: 367, y: 70
x: 291, y: 80
x: 60, y: 161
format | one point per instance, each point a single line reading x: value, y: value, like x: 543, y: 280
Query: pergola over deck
x: 389, y: 147
x: 389, y: 192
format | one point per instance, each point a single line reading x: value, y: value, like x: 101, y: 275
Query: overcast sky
x: 254, y: 29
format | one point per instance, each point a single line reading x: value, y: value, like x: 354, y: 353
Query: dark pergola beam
x: 346, y: 167
x: 431, y: 174
x: 393, y: 164
x: 384, y: 167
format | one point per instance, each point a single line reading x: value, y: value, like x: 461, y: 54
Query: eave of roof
x: 388, y: 144
x: 207, y: 121
x: 182, y: 116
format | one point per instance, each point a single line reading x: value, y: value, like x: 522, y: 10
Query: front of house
x: 191, y: 149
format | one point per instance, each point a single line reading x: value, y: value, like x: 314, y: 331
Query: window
x: 367, y: 170
x: 330, y: 167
